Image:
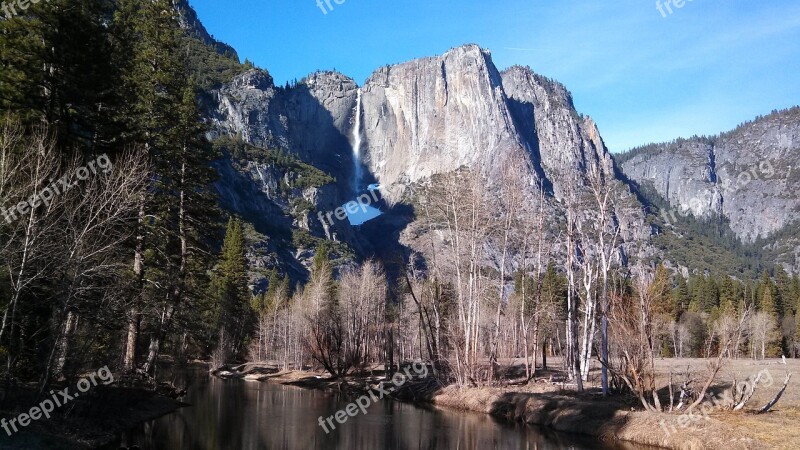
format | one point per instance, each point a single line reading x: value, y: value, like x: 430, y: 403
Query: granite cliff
x: 747, y: 177
x: 419, y: 119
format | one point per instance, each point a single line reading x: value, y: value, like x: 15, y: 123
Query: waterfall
x: 357, y: 170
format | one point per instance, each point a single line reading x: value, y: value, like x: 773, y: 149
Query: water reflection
x: 252, y: 415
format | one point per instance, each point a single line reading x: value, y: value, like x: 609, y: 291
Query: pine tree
x: 660, y: 290
x: 784, y: 301
x: 767, y: 297
x: 796, y: 333
x: 710, y: 294
x: 796, y: 294
x: 58, y: 69
x: 681, y: 296
x: 767, y: 305
x: 267, y: 300
x: 230, y: 285
x: 697, y: 289
x: 554, y: 289
x: 163, y: 117
x: 526, y: 284
x: 728, y: 299
x: 322, y: 271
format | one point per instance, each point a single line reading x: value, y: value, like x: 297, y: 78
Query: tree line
x: 125, y: 267
x: 498, y: 279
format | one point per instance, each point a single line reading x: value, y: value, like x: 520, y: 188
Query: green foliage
x: 230, y: 289
x: 766, y: 297
x: 554, y: 288
x: 302, y: 239
x: 210, y: 68
x: 321, y: 261
x: 105, y: 76
x: 785, y: 300
x: 525, y: 286
x: 704, y: 293
x: 722, y: 294
x: 162, y: 116
x: 301, y: 207
x: 705, y: 245
x: 797, y: 328
x: 729, y: 296
x: 302, y: 175
x: 272, y: 288
x: 57, y: 68
x: 681, y: 295
x: 661, y: 293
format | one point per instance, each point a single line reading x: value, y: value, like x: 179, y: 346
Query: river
x: 237, y: 414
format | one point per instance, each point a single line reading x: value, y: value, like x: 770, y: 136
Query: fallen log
x: 772, y: 403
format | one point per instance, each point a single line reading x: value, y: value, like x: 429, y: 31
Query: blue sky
x: 643, y: 77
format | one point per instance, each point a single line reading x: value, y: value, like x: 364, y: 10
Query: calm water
x: 239, y: 414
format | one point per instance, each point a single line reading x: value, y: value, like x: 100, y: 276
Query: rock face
x: 422, y: 118
x: 747, y: 175
x: 562, y: 141
x: 435, y: 115
x: 310, y: 120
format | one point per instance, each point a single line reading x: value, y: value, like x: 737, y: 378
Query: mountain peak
x: 189, y: 21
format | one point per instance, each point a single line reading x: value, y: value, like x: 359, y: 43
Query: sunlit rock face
x: 747, y: 175
x: 435, y: 115
x: 426, y: 117
x: 419, y: 118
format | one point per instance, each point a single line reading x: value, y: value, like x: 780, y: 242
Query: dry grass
x: 778, y: 428
x: 608, y: 420
x: 738, y: 369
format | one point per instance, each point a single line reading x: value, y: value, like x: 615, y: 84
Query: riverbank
x: 88, y: 422
x: 588, y: 414
x: 414, y: 389
x: 548, y: 405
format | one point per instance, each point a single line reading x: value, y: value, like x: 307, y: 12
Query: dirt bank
x: 607, y: 420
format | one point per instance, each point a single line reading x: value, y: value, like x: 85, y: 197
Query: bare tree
x: 512, y: 195
x: 606, y: 248
x: 362, y: 296
x: 633, y: 331
x: 455, y: 206
x: 572, y: 208
x: 29, y: 235
x: 763, y: 331
x: 95, y: 225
